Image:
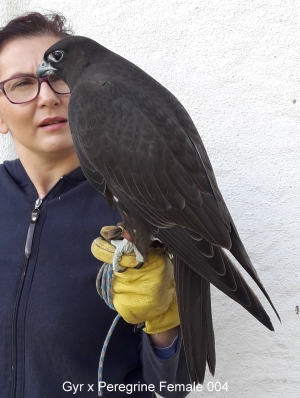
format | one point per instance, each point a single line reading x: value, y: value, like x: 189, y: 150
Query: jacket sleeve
x: 165, y: 372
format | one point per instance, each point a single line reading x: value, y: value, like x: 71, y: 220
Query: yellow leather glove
x: 142, y: 295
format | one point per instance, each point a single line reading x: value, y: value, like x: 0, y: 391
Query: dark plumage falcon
x: 137, y: 145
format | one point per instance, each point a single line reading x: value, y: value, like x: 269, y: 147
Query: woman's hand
x: 144, y: 295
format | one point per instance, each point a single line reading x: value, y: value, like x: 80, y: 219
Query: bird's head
x: 67, y: 58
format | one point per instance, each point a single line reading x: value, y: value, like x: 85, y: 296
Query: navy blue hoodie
x: 52, y: 321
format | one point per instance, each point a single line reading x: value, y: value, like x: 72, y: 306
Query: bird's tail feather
x: 194, y: 303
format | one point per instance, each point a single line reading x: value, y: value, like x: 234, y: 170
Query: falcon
x: 137, y: 145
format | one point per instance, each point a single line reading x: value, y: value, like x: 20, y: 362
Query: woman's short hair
x: 35, y: 24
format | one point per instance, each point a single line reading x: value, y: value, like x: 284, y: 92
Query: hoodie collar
x: 17, y: 172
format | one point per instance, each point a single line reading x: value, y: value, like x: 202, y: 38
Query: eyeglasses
x: 21, y: 89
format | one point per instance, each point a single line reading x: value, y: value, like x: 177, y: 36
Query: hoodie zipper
x: 28, y: 246
x: 34, y: 217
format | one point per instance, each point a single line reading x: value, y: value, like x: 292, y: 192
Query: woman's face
x: 28, y: 122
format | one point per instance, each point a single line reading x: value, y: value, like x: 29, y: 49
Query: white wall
x: 235, y: 65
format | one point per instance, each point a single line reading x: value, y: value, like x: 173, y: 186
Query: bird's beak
x: 44, y: 69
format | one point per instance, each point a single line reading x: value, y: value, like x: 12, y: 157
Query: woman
x: 53, y: 323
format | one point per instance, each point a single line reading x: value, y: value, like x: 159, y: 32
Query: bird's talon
x: 139, y: 265
x: 121, y: 270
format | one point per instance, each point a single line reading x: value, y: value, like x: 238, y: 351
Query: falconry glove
x: 145, y: 294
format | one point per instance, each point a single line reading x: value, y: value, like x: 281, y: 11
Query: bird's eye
x: 56, y: 56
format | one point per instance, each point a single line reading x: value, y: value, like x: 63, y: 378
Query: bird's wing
x: 156, y: 166
x: 144, y: 153
x: 219, y: 270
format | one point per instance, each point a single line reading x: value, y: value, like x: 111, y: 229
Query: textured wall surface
x: 235, y: 66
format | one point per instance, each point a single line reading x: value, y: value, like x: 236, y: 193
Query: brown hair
x: 35, y: 24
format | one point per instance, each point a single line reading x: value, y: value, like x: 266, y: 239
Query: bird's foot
x: 124, y: 247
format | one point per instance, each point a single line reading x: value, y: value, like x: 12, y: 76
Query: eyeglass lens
x: 23, y: 89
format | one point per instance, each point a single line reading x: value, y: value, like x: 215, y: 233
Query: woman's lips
x: 54, y: 126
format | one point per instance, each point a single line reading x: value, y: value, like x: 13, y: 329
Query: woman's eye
x: 22, y: 83
x: 54, y: 78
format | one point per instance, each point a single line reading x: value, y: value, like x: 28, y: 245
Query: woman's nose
x: 47, y: 96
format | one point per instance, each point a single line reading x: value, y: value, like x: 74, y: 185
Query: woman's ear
x: 3, y: 127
